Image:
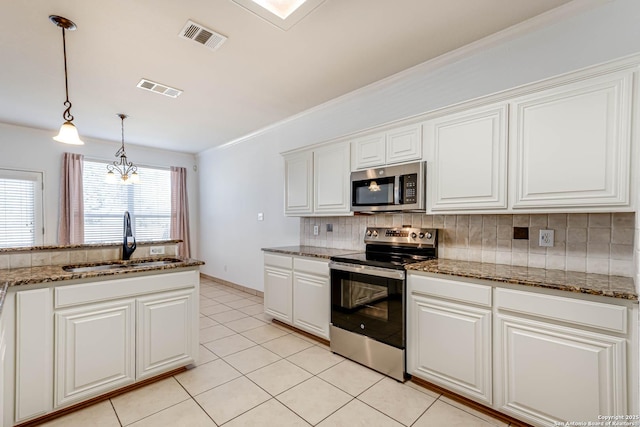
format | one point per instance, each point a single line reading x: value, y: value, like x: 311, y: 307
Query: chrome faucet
x: 129, y: 242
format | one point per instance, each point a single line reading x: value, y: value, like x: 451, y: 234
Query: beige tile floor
x: 254, y: 373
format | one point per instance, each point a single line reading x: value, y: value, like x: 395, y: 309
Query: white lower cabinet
x: 95, y: 350
x: 33, y: 353
x: 3, y: 354
x: 311, y: 296
x: 550, y: 372
x: 449, y: 335
x: 278, y: 287
x: 537, y: 356
x: 78, y: 341
x: 296, y: 292
x: 164, y: 324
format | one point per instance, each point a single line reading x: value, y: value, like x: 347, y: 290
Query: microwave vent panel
x: 204, y: 36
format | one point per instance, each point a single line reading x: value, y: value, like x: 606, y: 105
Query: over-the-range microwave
x: 390, y: 188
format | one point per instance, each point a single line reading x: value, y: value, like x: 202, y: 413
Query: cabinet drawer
x: 278, y: 261
x: 65, y: 296
x: 303, y: 265
x: 450, y: 289
x: 585, y: 313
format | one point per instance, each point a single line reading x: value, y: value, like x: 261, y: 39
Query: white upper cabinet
x: 298, y: 197
x: 570, y: 145
x: 404, y: 144
x: 317, y: 181
x: 397, y: 145
x: 368, y: 151
x: 331, y: 179
x: 468, y: 159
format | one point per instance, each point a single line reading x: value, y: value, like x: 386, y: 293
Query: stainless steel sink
x: 150, y: 263
x: 88, y: 268
x: 119, y: 265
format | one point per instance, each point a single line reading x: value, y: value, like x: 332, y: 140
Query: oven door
x: 369, y: 301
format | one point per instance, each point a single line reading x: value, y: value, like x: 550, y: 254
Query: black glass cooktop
x: 395, y: 258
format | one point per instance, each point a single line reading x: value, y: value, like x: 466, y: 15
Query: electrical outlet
x: 546, y: 238
x: 156, y: 250
x: 260, y: 216
x: 316, y: 230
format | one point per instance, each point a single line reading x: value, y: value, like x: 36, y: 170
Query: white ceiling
x: 259, y: 76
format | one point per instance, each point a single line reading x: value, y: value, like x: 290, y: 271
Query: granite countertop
x: 311, y: 251
x: 586, y: 283
x: 55, y: 273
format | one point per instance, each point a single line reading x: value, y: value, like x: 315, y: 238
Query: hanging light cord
x: 121, y: 151
x: 67, y: 116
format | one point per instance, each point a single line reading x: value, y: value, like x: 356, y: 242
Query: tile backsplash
x: 594, y: 243
x: 39, y: 257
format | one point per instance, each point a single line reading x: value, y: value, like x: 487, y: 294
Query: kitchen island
x: 78, y: 330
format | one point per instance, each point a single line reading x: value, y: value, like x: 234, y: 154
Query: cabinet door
x: 548, y: 374
x: 404, y: 144
x: 166, y: 332
x: 311, y: 303
x: 95, y: 350
x: 469, y: 160
x: 278, y: 291
x: 298, y: 184
x: 3, y: 352
x: 570, y: 145
x: 331, y: 167
x: 34, y: 354
x: 368, y: 151
x: 450, y: 344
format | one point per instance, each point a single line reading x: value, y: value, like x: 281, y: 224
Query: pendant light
x: 68, y: 133
x: 127, y: 171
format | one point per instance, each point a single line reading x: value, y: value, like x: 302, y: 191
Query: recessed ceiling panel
x: 275, y: 18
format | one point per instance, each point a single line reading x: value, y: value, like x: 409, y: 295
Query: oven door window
x: 374, y: 192
x: 368, y: 305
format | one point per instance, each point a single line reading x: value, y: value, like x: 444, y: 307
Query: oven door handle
x: 368, y: 270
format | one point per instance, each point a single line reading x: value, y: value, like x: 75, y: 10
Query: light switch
x: 260, y: 216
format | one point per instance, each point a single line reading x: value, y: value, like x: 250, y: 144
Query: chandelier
x: 68, y: 133
x: 127, y: 172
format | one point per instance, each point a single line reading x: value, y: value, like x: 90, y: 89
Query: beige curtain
x: 180, y: 210
x: 71, y: 226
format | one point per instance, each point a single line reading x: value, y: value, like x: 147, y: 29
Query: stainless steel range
x: 368, y: 297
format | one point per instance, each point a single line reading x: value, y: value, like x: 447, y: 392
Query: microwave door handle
x: 397, y: 191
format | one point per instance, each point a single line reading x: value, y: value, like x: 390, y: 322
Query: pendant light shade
x: 68, y: 133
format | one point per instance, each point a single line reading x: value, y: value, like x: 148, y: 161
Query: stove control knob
x: 421, y: 235
x: 414, y: 235
x: 368, y: 233
x: 375, y: 233
x: 429, y: 236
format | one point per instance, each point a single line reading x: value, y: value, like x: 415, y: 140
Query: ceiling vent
x: 159, y: 88
x: 202, y: 35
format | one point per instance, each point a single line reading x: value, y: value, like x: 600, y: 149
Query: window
x: 148, y: 202
x: 21, y: 222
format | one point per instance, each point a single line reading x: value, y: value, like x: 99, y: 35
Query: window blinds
x: 148, y: 202
x: 21, y: 213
